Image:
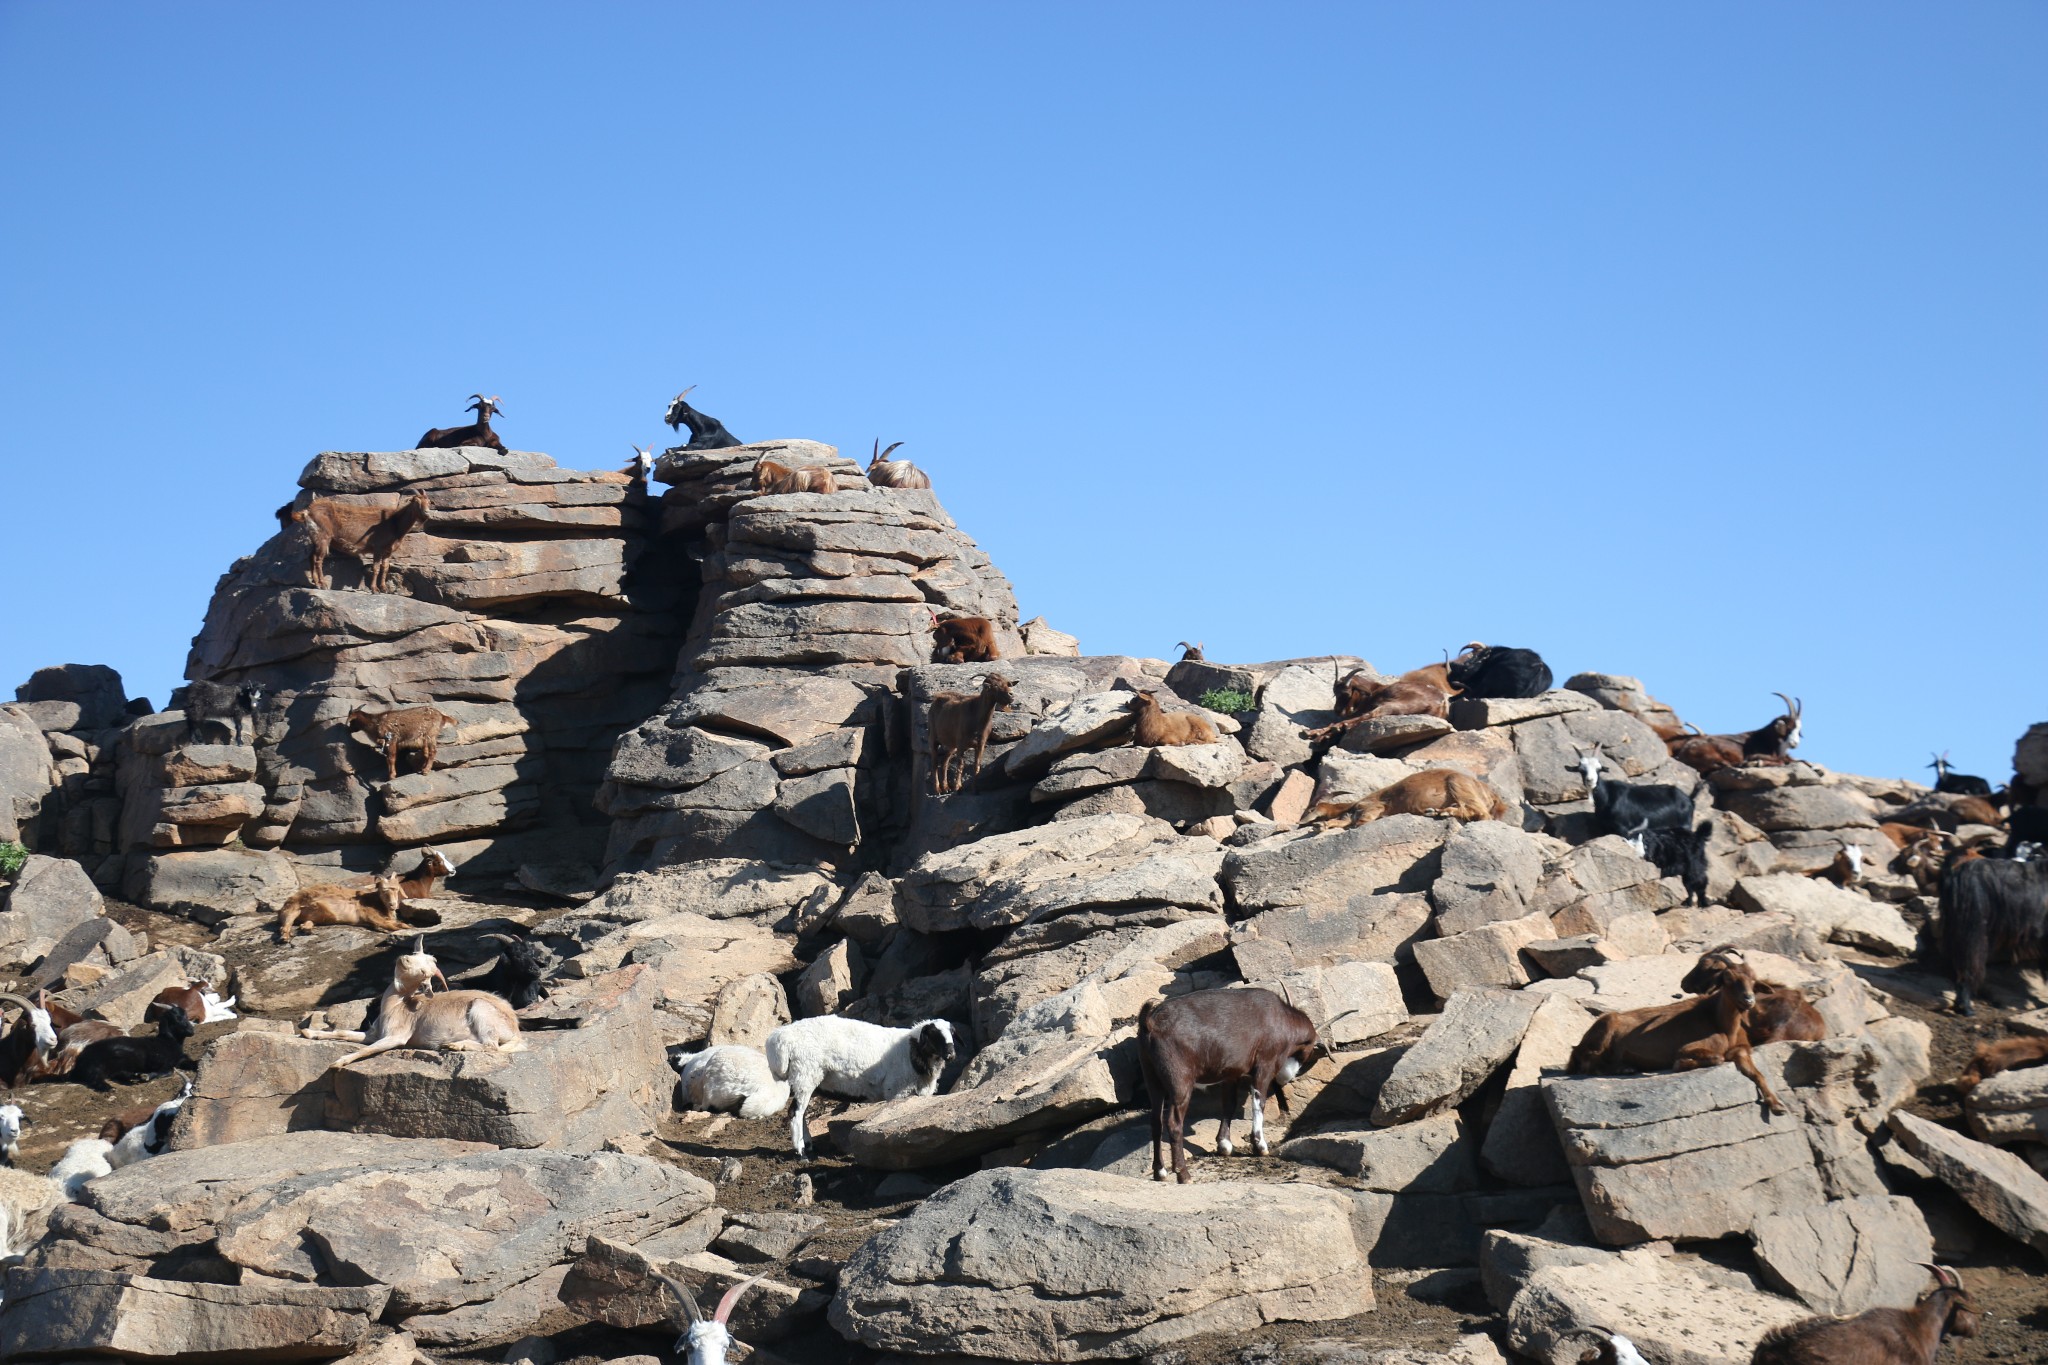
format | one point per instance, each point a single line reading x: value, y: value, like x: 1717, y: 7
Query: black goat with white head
x: 1499, y: 671
x: 210, y: 706
x: 706, y: 433
x: 1630, y: 808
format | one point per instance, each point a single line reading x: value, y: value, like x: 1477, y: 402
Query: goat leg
x: 1176, y: 1126
x: 385, y: 1044
x: 391, y: 759
x: 1158, y: 1129
x: 1233, y: 1100
x: 1746, y: 1064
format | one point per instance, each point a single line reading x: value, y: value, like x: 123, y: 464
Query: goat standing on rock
x: 356, y: 529
x: 857, y: 1060
x: 415, y: 728
x: 1235, y: 1038
x: 957, y: 721
x: 211, y: 704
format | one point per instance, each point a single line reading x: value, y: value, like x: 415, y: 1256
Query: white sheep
x: 730, y: 1077
x: 84, y: 1160
x: 855, y: 1060
x: 11, y: 1121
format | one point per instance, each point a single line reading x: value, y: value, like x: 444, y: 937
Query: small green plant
x: 13, y: 857
x: 1229, y: 700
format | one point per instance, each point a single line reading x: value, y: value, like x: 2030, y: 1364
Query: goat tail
x: 1145, y: 1013
x: 777, y: 1050
x: 766, y: 1103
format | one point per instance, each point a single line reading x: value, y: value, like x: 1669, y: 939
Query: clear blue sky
x: 1704, y: 342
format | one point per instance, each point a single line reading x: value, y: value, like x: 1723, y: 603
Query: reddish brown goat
x: 1768, y: 745
x: 957, y: 721
x: 417, y: 728
x: 1782, y: 1014
x: 478, y: 433
x: 1361, y: 697
x: 377, y: 908
x: 1877, y: 1336
x: 771, y: 476
x: 417, y: 884
x: 357, y: 529
x: 1231, y: 1038
x: 1903, y: 835
x: 963, y: 640
x: 1443, y: 793
x: 1654, y: 1038
x: 2007, y: 1054
x: 1154, y: 727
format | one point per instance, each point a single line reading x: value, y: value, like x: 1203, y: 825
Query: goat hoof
x: 1262, y: 1149
x: 1226, y: 1147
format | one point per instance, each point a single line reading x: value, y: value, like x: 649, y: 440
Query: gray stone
x: 717, y: 888
x: 1801, y: 807
x: 1490, y: 871
x: 1477, y: 1031
x: 1054, y: 1087
x: 1351, y: 1003
x: 1339, y: 868
x: 822, y: 805
x: 1369, y: 929
x: 1674, y: 1314
x: 1084, y: 722
x: 746, y: 1010
x: 48, y: 899
x: 26, y: 776
x: 1490, y: 955
x: 766, y: 1236
x: 1389, y: 734
x: 1430, y: 1156
x: 1073, y: 1265
x: 2005, y: 1190
x: 1844, y: 1257
x: 1834, y: 912
x: 212, y: 883
x: 831, y: 983
x: 63, y: 1311
x: 1521, y: 1146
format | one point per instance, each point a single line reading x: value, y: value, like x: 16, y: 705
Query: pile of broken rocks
x: 773, y: 852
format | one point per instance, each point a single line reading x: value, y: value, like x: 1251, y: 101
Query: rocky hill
x: 687, y: 754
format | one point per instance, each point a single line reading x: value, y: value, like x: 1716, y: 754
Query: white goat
x: 85, y: 1159
x: 705, y: 1342
x: 730, y: 1077
x: 411, y: 1015
x: 11, y: 1121
x: 25, y: 1203
x: 855, y: 1060
x: 147, y: 1138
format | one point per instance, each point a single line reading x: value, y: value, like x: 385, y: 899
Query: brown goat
x: 1846, y: 869
x: 418, y: 884
x: 1436, y: 792
x: 417, y: 728
x: 1768, y: 745
x: 1903, y: 835
x: 771, y: 476
x: 1190, y: 653
x: 957, y: 721
x: 376, y: 908
x: 1877, y: 1336
x: 1236, y: 1039
x: 963, y: 640
x: 478, y: 433
x: 1975, y: 810
x: 2007, y: 1054
x: 357, y: 529
x: 1154, y: 728
x: 884, y: 472
x: 1654, y: 1038
x: 1361, y: 696
x: 1782, y: 1014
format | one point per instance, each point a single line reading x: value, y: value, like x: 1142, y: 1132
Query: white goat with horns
x: 705, y: 1342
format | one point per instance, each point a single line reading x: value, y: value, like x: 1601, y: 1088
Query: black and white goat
x: 213, y: 705
x: 1631, y: 808
x: 519, y: 974
x: 1240, y: 1039
x: 1947, y: 779
x: 1499, y: 671
x: 151, y: 1136
x: 855, y: 1060
x: 706, y: 433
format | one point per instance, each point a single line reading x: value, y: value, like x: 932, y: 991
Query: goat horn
x: 13, y: 999
x: 891, y: 450
x: 1787, y: 700
x: 683, y: 1296
x: 1949, y: 1279
x: 494, y: 934
x: 684, y: 394
x: 476, y: 398
x: 732, y: 1297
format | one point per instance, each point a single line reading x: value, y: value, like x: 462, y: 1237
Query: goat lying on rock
x: 135, y: 1059
x: 1362, y: 696
x: 356, y: 529
x: 12, y: 1121
x: 31, y: 1039
x: 884, y: 472
x: 772, y: 476
x: 414, y: 728
x: 201, y: 1005
x: 957, y: 721
x: 1238, y: 1039
x: 2007, y: 1054
x: 1655, y: 1037
x: 963, y: 640
x: 1768, y: 745
x: 1877, y: 1336
x: 1152, y: 727
x: 1435, y: 792
x: 519, y: 974
x: 706, y: 433
x: 855, y: 1060
x: 477, y: 433
x: 410, y: 1015
x: 1499, y: 671
x: 376, y: 908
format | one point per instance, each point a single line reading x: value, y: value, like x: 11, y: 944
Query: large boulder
x: 1053, y: 1087
x: 49, y: 898
x: 1076, y: 1265
x: 1339, y: 868
x: 56, y: 1311
x: 1477, y: 1031
x: 1835, y: 913
x: 2008, y: 1192
x: 1674, y: 1313
x: 26, y: 775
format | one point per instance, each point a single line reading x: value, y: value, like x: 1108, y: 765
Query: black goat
x: 1992, y: 909
x: 135, y: 1059
x: 1630, y: 808
x: 477, y: 433
x: 1946, y: 779
x: 1682, y: 854
x: 519, y: 972
x: 1499, y: 671
x: 2026, y: 825
x: 212, y: 704
x: 706, y: 433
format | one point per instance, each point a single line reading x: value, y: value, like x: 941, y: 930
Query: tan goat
x: 412, y: 1015
x: 1154, y: 727
x: 376, y: 908
x: 1439, y: 792
x: 957, y: 721
x: 357, y: 529
x: 884, y: 472
x: 771, y: 476
x: 417, y: 728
